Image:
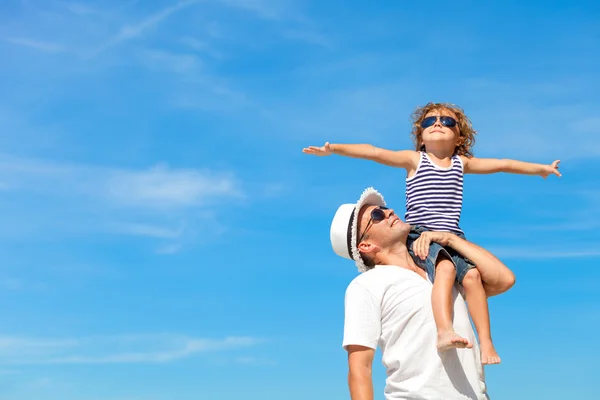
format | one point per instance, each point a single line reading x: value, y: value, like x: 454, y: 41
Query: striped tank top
x: 434, y: 195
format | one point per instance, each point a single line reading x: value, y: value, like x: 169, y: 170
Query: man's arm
x: 475, y: 165
x: 360, y: 376
x: 362, y: 330
x: 407, y: 159
x: 496, y: 276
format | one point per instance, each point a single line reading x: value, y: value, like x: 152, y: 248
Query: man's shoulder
x: 382, y: 276
x: 373, y: 274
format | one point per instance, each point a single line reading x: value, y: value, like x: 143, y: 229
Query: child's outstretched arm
x: 492, y: 165
x: 407, y: 159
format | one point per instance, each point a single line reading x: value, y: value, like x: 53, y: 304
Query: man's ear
x: 367, y: 247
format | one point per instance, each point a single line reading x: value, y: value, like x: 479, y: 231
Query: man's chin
x: 401, y: 226
x: 401, y: 232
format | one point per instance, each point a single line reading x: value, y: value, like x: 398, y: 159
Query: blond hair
x: 467, y: 133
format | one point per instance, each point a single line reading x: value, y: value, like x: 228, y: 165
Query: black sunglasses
x: 446, y: 121
x: 377, y: 215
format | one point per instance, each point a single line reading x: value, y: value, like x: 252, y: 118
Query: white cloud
x: 9, y: 372
x: 42, y: 382
x: 124, y: 349
x: 547, y: 252
x: 193, y: 85
x: 194, y: 43
x: 141, y: 229
x: 202, y: 46
x: 169, y: 248
x: 163, y: 187
x: 186, y: 64
x: 589, y: 124
x: 167, y: 205
x: 11, y: 283
x: 47, y: 47
x: 253, y: 361
x: 514, y: 123
x: 79, y: 8
x: 310, y: 37
x: 157, y: 187
x: 364, y: 113
x: 273, y: 10
x: 129, y: 32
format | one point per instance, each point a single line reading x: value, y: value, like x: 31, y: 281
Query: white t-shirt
x: 390, y: 307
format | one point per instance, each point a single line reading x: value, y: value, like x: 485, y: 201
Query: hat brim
x: 370, y: 196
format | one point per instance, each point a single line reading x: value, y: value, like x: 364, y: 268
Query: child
x: 443, y: 137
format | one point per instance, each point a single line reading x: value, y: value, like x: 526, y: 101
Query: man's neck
x: 401, y: 258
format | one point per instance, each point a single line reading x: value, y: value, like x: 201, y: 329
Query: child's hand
x: 550, y: 169
x: 421, y: 245
x: 318, y: 151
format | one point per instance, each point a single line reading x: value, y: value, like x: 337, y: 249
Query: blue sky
x: 163, y: 237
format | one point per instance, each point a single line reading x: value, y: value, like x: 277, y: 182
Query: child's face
x: 438, y: 135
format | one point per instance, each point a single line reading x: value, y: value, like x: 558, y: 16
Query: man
x: 389, y: 306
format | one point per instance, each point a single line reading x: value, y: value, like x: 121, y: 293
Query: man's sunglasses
x: 377, y: 215
x: 448, y: 122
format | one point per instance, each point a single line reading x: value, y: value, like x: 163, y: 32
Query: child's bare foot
x: 488, y: 354
x: 451, y: 340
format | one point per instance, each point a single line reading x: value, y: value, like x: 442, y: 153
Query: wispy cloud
x: 194, y: 43
x: 519, y: 133
x: 41, y: 382
x: 129, y: 32
x: 201, y: 46
x: 184, y: 64
x: 254, y: 361
x: 157, y: 187
x: 9, y: 371
x: 155, y: 231
x: 124, y: 349
x: 310, y: 37
x: 163, y: 187
x: 194, y: 87
x: 540, y: 253
x: 10, y: 283
x: 560, y: 227
x: 162, y: 203
x: 169, y: 248
x: 274, y: 10
x: 79, y: 8
x: 47, y: 47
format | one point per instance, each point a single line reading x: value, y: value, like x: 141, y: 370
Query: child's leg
x: 478, y: 308
x: 441, y: 302
x: 497, y: 278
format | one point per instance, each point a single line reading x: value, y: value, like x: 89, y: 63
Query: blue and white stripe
x: 434, y: 195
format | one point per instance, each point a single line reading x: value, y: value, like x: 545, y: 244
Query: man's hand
x: 421, y: 245
x: 550, y: 169
x: 318, y: 151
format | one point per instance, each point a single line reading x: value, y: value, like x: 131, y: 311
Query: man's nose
x: 438, y: 122
x: 389, y: 212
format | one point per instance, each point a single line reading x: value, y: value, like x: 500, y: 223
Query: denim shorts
x: 462, y: 264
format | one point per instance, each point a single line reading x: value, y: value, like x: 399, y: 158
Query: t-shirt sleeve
x: 362, y: 320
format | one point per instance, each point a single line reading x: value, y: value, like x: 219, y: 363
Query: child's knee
x: 472, y: 277
x: 445, y: 267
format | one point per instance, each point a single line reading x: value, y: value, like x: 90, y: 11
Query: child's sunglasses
x: 377, y: 215
x: 446, y: 121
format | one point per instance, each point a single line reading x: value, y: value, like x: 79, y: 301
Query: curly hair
x: 467, y: 133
